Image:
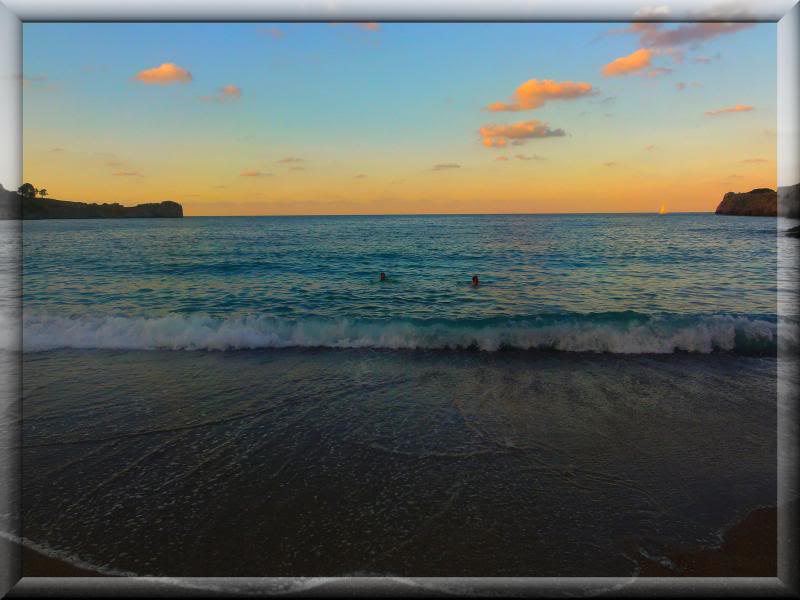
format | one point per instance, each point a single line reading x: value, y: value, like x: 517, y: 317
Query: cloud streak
x: 681, y: 85
x: 499, y: 136
x: 730, y: 109
x: 536, y: 92
x: 445, y: 166
x: 254, y: 173
x: 273, y: 32
x: 655, y: 35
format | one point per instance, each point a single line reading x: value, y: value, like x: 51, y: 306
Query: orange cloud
x: 499, y: 136
x: 290, y: 159
x: 369, y: 26
x: 253, y: 174
x: 227, y: 93
x: 535, y: 92
x: 501, y: 158
x: 164, y: 74
x: 636, y: 61
x: 731, y: 109
x: 231, y: 91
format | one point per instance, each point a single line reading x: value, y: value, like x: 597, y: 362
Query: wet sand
x: 749, y: 549
x: 37, y: 564
x: 316, y: 463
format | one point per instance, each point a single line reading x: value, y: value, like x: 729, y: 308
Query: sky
x: 400, y: 118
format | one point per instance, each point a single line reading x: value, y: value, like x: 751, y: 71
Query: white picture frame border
x: 786, y: 13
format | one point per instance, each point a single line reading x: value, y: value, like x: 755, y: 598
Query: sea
x: 243, y: 396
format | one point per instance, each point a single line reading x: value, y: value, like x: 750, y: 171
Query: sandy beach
x: 748, y: 549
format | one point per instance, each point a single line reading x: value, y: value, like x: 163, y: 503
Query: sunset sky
x: 317, y: 118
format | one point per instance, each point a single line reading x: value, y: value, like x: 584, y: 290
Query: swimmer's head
x: 383, y: 276
x: 475, y: 280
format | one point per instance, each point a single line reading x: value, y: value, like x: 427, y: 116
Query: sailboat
x: 663, y: 209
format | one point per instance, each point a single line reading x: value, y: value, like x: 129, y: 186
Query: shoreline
x: 748, y: 548
x: 39, y: 564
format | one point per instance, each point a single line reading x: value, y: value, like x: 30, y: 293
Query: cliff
x: 789, y: 201
x: 12, y: 206
x: 760, y: 202
x: 46, y: 208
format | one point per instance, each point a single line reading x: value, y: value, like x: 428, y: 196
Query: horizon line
x: 523, y: 214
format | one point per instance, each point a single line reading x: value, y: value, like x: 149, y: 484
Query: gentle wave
x: 625, y: 333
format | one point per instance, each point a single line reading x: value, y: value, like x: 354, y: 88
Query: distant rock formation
x: 789, y: 201
x: 47, y: 208
x: 10, y: 204
x: 13, y: 206
x: 793, y: 232
x: 760, y: 202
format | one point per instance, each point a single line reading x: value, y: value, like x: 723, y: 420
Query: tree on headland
x: 26, y: 190
x: 43, y: 192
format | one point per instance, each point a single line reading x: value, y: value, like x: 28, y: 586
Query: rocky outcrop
x: 760, y: 202
x: 789, y: 201
x: 10, y: 204
x: 47, y: 208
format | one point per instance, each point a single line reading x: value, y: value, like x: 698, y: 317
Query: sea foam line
x: 625, y: 333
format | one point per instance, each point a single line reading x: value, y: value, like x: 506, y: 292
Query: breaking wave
x: 623, y: 333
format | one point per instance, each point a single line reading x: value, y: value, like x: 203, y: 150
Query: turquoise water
x: 603, y: 283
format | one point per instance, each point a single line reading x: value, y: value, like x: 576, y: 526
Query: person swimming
x: 475, y: 282
x: 383, y: 276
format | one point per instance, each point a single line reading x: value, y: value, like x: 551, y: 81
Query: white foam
x: 658, y: 334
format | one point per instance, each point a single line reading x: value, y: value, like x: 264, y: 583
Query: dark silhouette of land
x: 762, y: 202
x: 24, y: 204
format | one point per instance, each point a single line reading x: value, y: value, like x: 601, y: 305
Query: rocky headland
x: 762, y: 202
x: 16, y: 206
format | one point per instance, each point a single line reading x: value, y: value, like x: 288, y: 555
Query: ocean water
x: 611, y: 283
x: 243, y: 397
